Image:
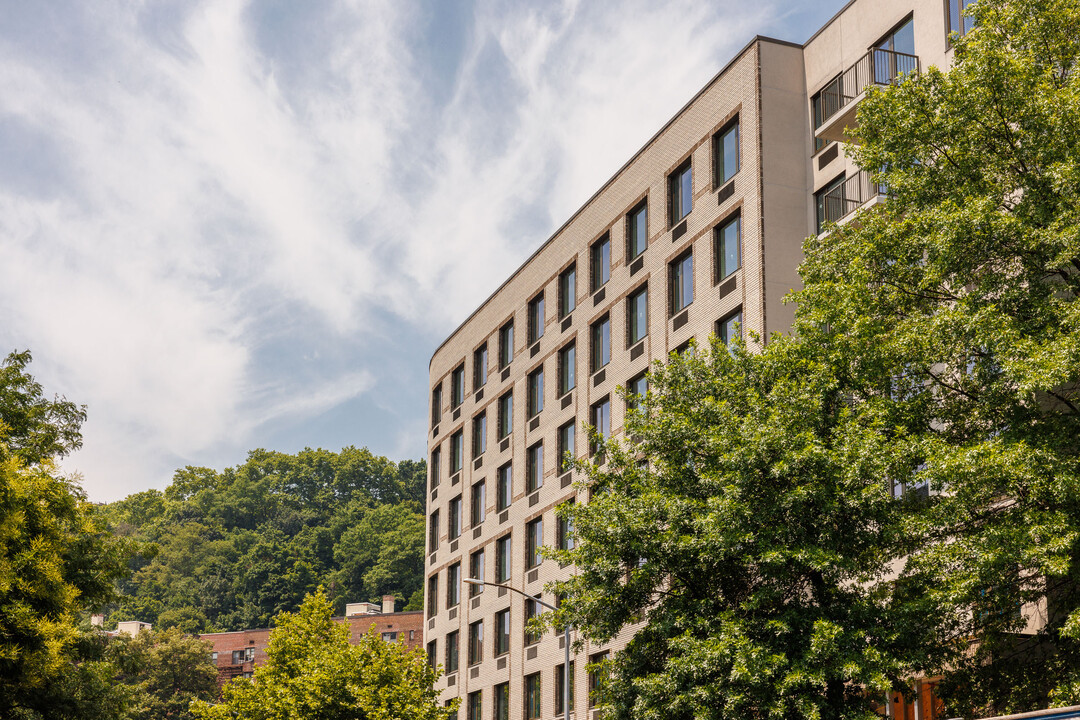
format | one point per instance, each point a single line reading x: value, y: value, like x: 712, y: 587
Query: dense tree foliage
x: 35, y: 428
x: 161, y: 672
x: 312, y: 672
x: 232, y: 549
x: 892, y: 492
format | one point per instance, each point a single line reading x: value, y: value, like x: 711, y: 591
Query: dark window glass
x: 506, y: 344
x: 534, y: 540
x: 682, y: 282
x: 433, y: 532
x: 453, y: 525
x: 476, y: 572
x: 597, y: 676
x: 728, y: 247
x: 532, y: 609
x: 567, y: 369
x: 457, y: 386
x: 637, y: 231
x: 432, y: 653
x: 480, y: 367
x: 831, y: 205
x: 536, y: 392
x: 566, y: 446
x: 502, y: 701
x: 506, y: 415
x: 601, y: 418
x: 726, y: 153
x: 476, y: 642
x: 534, y: 468
x: 728, y: 329
x: 479, y: 435
x: 560, y: 679
x: 680, y: 193
x: 566, y: 532
x: 536, y: 318
x: 433, y: 595
x: 457, y: 451
x: 504, y: 490
x: 600, y: 255
x: 476, y: 705
x: 502, y: 632
x: 567, y: 291
x: 532, y: 696
x: 502, y: 559
x: 436, y: 404
x: 601, y: 343
x: 479, y: 503
x: 637, y: 315
x: 436, y: 465
x: 636, y: 388
x: 453, y: 585
x: 452, y: 652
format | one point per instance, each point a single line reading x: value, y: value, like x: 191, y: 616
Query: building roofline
x: 335, y: 617
x: 727, y: 66
x: 821, y: 29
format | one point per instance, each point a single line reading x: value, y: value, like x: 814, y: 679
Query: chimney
x: 387, y: 604
x: 97, y: 621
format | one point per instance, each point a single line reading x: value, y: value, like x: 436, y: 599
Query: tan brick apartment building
x: 700, y: 230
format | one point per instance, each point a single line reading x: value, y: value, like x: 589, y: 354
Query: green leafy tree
x: 35, y: 428
x: 312, y: 671
x: 164, y: 671
x: 951, y: 313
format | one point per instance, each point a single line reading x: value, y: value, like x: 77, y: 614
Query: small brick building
x: 236, y: 654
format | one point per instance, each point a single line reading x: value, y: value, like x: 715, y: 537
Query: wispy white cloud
x: 227, y: 219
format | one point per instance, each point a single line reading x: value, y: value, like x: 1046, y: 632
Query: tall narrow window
x: 637, y: 230
x: 502, y: 559
x: 479, y: 503
x: 728, y: 329
x: 476, y: 572
x: 432, y: 653
x: 453, y: 585
x: 453, y: 524
x: 566, y: 447
x: 567, y: 291
x: 600, y: 262
x: 476, y: 705
x: 532, y: 697
x: 506, y: 415
x: 728, y: 239
x: 502, y: 632
x: 476, y: 642
x: 506, y: 344
x: 536, y: 392
x: 457, y: 452
x: 480, y: 367
x: 534, y: 468
x: 958, y: 22
x: 436, y: 465
x: 433, y: 532
x: 457, y: 386
x: 831, y: 203
x: 601, y: 343
x: 597, y: 675
x: 636, y: 389
x: 560, y: 679
x: 565, y: 533
x: 680, y: 193
x: 567, y: 369
x: 536, y: 318
x: 433, y: 595
x: 452, y: 652
x: 534, y: 540
x: 502, y: 701
x: 532, y: 609
x: 681, y: 281
x: 479, y: 434
x: 726, y: 153
x: 601, y: 418
x: 504, y: 487
x: 436, y: 404
x: 637, y: 315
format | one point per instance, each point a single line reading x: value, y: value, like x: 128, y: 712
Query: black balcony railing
x: 876, y: 67
x: 847, y: 197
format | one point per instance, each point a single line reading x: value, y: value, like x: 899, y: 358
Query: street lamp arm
x: 538, y: 601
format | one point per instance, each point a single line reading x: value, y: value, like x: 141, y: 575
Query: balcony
x: 839, y: 204
x: 835, y: 105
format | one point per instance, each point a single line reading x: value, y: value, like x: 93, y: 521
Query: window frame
x: 435, y: 467
x: 475, y: 705
x: 534, y: 467
x: 532, y: 611
x: 722, y: 323
x: 452, y: 652
x: 599, y: 271
x: 600, y: 344
x: 632, y: 228
x: 478, y: 503
x: 477, y: 570
x: 565, y: 438
x: 676, y: 270
x: 501, y: 635
x: 453, y: 518
x: 594, y: 417
x: 506, y: 344
x: 532, y: 703
x: 480, y: 367
x: 535, y: 317
x: 535, y: 392
x: 564, y: 530
x: 433, y: 531
x: 506, y: 415
x: 567, y: 369
x: 476, y: 643
x: 504, y: 558
x: 433, y: 595
x: 436, y: 404
x: 719, y: 153
x: 534, y: 540
x: 632, y: 320
x: 720, y: 246
x: 567, y: 292
x: 678, y: 195
x: 453, y: 589
x: 504, y: 483
x: 457, y: 452
x: 479, y: 434
x: 457, y: 386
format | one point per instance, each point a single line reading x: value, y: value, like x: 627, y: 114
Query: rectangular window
x: 560, y: 693
x: 601, y: 418
x: 600, y: 262
x: 506, y: 344
x: 635, y: 389
x: 637, y: 230
x: 601, y: 343
x: 637, y: 315
x: 504, y: 487
x: 958, y: 23
x: 597, y: 675
x: 566, y: 446
x: 436, y: 463
x: 476, y: 642
x: 436, y: 404
x: 567, y: 291
x: 457, y: 452
x: 728, y: 241
x: 567, y: 369
x: 532, y: 697
x: 536, y: 392
x: 457, y: 386
x: 824, y: 105
x: 478, y: 506
x: 433, y: 532
x: 452, y: 652
x: 534, y: 468
x: 453, y: 585
x: 479, y: 435
x: 453, y: 519
x: 566, y: 529
x: 433, y: 595
x: 536, y: 318
x: 729, y: 328
x: 502, y: 701
x: 831, y: 203
x: 725, y: 146
x: 502, y: 559
x: 432, y: 653
x: 476, y: 572
x: 502, y: 632
x: 480, y: 367
x: 476, y: 705
x: 681, y: 281
x: 680, y: 193
x: 506, y: 415
x: 534, y: 540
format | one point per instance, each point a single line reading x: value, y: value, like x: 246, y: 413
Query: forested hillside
x: 229, y: 550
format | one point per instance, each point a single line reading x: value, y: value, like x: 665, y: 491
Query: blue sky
x: 227, y: 225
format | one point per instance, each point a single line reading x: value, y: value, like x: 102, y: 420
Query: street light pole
x: 566, y: 639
